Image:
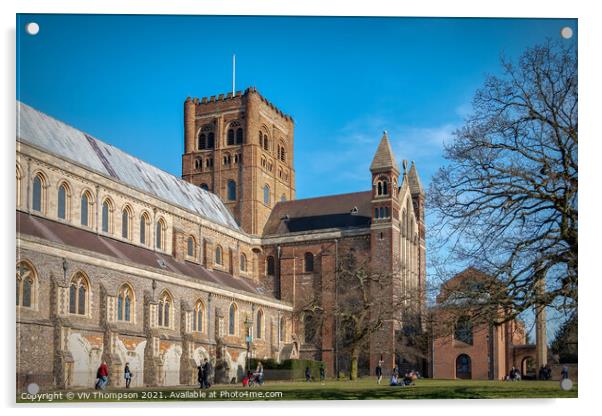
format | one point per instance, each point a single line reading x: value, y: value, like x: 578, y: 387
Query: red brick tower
x: 385, y: 249
x: 241, y: 148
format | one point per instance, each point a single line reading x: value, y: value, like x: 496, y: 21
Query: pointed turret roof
x: 414, y: 180
x: 384, y: 158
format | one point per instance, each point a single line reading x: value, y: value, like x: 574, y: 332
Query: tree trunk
x: 354, y: 362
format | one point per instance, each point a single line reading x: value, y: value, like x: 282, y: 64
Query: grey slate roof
x: 343, y: 211
x: 58, y: 138
x: 384, y: 158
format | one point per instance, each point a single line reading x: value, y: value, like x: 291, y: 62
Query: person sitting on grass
x: 394, y: 380
x: 409, y: 378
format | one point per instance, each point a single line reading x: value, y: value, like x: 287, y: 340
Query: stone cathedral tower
x: 241, y: 148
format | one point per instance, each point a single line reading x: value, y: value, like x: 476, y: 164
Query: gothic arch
x: 79, y: 294
x: 63, y: 203
x: 107, y: 215
x: 126, y: 303
x: 26, y: 285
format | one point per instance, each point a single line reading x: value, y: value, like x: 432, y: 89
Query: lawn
x: 363, y: 389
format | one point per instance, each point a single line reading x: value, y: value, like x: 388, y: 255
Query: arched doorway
x: 527, y: 367
x: 463, y: 367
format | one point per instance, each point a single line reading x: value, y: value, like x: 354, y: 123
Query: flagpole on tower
x: 233, y: 75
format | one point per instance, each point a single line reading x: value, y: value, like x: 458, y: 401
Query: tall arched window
x: 266, y: 144
x: 86, y: 209
x: 309, y: 262
x: 198, y: 163
x: 160, y: 235
x: 382, y: 186
x: 164, y: 309
x: 404, y: 224
x: 463, y: 330
x: 270, y: 266
x: 309, y: 328
x: 144, y: 228
x: 233, y: 319
x: 197, y: 316
x: 259, y: 325
x: 191, y: 246
x: 107, y: 208
x: 62, y: 206
x: 19, y: 185
x: 219, y: 255
x: 282, y: 330
x: 26, y: 280
x: 282, y: 152
x: 79, y: 290
x: 230, y: 140
x: 239, y: 136
x: 266, y: 194
x: 38, y: 197
x: 243, y: 262
x: 231, y: 190
x: 125, y: 303
x: 206, y: 139
x: 126, y: 220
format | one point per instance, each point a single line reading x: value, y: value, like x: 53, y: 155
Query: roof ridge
x: 323, y: 196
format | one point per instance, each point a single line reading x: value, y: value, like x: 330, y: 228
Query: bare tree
x: 507, y: 201
x: 364, y: 304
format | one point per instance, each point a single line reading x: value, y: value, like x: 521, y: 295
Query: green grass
x: 363, y: 389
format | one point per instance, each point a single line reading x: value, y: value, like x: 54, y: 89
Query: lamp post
x: 248, y: 324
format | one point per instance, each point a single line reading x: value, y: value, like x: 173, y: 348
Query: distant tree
x: 565, y: 341
x: 507, y: 200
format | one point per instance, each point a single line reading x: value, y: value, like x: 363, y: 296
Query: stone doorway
x: 463, y: 367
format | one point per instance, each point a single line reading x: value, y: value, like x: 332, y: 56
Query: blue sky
x: 124, y: 79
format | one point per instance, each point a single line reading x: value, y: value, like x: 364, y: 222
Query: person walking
x: 565, y: 372
x: 379, y: 371
x: 307, y: 374
x: 127, y: 374
x: 206, y: 373
x: 200, y: 376
x: 103, y: 376
x: 322, y: 374
x: 259, y: 373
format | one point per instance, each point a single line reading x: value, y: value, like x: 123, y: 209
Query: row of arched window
x: 308, y: 264
x: 79, y: 302
x: 259, y: 324
x: 199, y: 165
x: 206, y: 136
x: 382, y: 212
x: 39, y: 203
x: 235, y: 137
x: 219, y: 258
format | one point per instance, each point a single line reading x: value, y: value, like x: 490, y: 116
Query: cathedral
x: 119, y: 261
